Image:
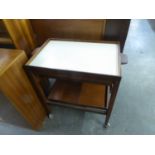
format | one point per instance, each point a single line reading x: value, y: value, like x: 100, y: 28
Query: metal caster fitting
x: 107, y: 125
x: 50, y: 116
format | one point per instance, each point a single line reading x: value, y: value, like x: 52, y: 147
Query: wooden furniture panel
x: 117, y: 30
x: 7, y: 58
x: 86, y: 94
x: 4, y: 36
x: 21, y: 33
x: 68, y: 28
x: 15, y: 85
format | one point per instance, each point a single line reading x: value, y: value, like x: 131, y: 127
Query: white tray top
x: 98, y: 58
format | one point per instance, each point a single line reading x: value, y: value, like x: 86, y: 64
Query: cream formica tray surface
x: 98, y: 58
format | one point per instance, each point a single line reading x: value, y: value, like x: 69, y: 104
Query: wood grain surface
x: 86, y: 94
x: 21, y: 33
x: 15, y: 85
x: 68, y: 28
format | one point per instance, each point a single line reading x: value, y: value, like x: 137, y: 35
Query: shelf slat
x: 6, y: 41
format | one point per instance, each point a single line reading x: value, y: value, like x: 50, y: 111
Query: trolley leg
x: 35, y: 80
x: 50, y: 116
x: 107, y: 125
x: 111, y: 103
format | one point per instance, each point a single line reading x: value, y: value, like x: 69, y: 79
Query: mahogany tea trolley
x: 78, y: 74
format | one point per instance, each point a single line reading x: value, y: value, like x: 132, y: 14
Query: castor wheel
x: 50, y: 116
x: 107, y: 125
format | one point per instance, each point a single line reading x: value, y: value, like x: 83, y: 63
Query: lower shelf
x: 86, y: 94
